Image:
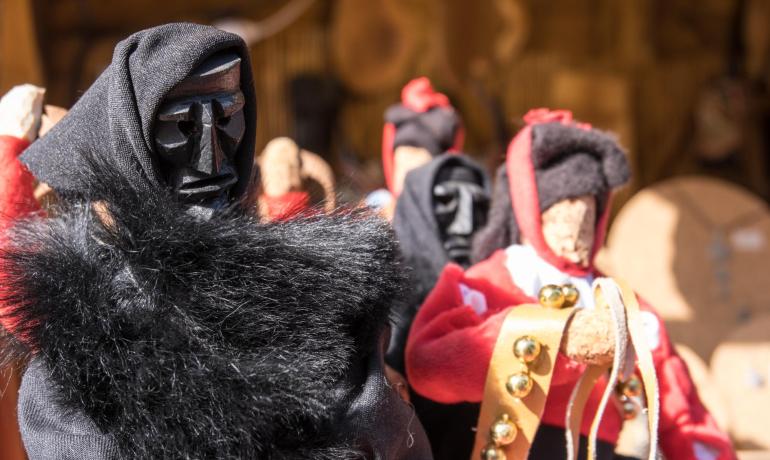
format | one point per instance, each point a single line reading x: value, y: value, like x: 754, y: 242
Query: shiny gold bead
x: 503, y: 431
x: 519, y: 385
x: 551, y: 296
x: 527, y: 349
x: 632, y: 387
x: 492, y: 452
x: 571, y: 295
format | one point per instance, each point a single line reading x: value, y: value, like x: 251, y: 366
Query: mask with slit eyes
x: 460, y: 204
x: 198, y: 132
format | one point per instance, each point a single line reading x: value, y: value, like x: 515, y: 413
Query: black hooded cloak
x: 419, y: 238
x: 415, y: 221
x: 114, y: 119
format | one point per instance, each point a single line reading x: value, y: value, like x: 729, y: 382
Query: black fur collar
x: 201, y: 339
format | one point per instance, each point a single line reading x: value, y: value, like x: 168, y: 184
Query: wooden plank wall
x: 636, y: 67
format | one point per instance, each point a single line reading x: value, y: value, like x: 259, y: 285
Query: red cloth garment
x: 285, y: 206
x: 17, y: 199
x: 454, y: 333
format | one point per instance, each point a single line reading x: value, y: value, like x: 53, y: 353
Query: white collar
x: 530, y: 273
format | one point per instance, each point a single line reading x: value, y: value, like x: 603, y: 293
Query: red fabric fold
x: 285, y: 206
x: 450, y: 347
x: 17, y: 200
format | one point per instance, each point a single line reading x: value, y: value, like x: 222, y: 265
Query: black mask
x: 198, y: 131
x: 460, y: 204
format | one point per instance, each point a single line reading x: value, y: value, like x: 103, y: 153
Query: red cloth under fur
x: 450, y: 345
x: 285, y: 206
x: 17, y: 199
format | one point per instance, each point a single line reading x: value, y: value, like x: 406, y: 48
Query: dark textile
x: 418, y: 237
x: 415, y: 223
x: 49, y: 430
x: 223, y: 338
x: 114, y: 119
x: 569, y: 162
x: 433, y: 130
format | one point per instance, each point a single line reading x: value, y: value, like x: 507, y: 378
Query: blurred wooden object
x: 698, y: 249
x: 703, y: 378
x: 11, y: 447
x: 373, y: 43
x: 741, y: 369
x: 285, y: 168
x: 318, y: 180
x: 19, y: 53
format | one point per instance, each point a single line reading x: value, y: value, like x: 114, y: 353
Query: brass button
x: 519, y: 385
x: 526, y: 349
x: 492, y: 452
x: 551, y: 296
x: 571, y: 295
x: 503, y: 431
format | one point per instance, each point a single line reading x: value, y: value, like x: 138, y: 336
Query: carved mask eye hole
x: 186, y: 127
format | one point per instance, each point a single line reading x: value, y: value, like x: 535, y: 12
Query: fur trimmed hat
x: 425, y: 119
x: 552, y: 158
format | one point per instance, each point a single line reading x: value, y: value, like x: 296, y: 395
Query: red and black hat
x: 424, y: 118
x: 552, y: 158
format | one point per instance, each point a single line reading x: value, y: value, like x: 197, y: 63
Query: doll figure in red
x: 548, y: 217
x: 423, y: 126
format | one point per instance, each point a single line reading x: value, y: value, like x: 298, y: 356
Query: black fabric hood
x: 415, y: 221
x: 157, y: 335
x: 114, y: 118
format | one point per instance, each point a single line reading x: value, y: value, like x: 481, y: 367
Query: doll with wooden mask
x: 442, y: 205
x: 549, y: 213
x: 153, y: 305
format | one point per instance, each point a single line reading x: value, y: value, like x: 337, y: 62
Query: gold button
x: 492, y: 452
x: 527, y: 349
x: 519, y: 385
x: 571, y: 295
x: 551, y: 296
x: 503, y: 431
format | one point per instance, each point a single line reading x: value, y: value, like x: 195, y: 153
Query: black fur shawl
x: 181, y: 338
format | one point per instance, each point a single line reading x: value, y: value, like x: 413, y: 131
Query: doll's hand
x: 590, y: 338
x: 20, y: 112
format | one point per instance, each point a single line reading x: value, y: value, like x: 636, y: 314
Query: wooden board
x: 741, y: 370
x: 664, y: 242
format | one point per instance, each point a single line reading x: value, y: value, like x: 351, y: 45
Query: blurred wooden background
x: 684, y: 84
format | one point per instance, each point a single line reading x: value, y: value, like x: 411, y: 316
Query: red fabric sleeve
x: 17, y: 199
x: 449, y: 345
x: 684, y: 420
x: 17, y: 184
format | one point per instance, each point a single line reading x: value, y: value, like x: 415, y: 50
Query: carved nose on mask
x: 462, y: 224
x: 210, y: 158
